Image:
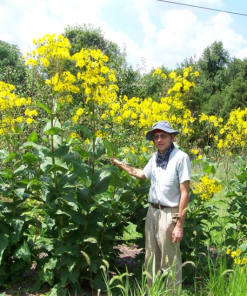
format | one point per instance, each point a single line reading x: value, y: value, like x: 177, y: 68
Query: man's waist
x: 160, y: 206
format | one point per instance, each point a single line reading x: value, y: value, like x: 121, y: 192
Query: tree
x: 89, y: 37
x: 12, y: 68
x: 236, y: 97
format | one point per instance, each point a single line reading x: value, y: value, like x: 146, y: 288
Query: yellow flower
x: 87, y: 141
x: 144, y: 149
x: 29, y: 120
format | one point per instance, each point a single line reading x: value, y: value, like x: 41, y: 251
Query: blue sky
x: 158, y: 32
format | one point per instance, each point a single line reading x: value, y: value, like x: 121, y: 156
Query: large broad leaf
x: 79, y: 168
x: 30, y: 158
x: 3, y: 245
x: 20, y: 192
x: 100, y: 149
x: 35, y: 184
x: 10, y: 157
x: 57, y: 168
x: 87, y: 133
x: 54, y: 131
x: 208, y: 168
x: 81, y: 151
x: 132, y: 158
x: 44, y: 106
x: 242, y: 178
x: 42, y: 149
x: 77, y: 217
x: 101, y: 181
x: 23, y: 252
x: 111, y: 149
x: 68, y: 180
x: 61, y: 151
x: 71, y: 250
x: 20, y: 170
x: 127, y: 196
x: 33, y: 137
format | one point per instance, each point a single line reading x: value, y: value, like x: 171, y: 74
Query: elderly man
x: 169, y: 172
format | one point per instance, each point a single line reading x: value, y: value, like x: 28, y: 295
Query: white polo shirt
x: 165, y: 184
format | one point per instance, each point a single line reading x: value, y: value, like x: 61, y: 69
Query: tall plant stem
x: 94, y: 139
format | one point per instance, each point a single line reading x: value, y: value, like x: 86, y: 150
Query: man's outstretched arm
x: 138, y: 173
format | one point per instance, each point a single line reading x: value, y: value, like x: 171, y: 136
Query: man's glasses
x: 162, y: 136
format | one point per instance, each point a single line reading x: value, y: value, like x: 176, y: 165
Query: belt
x: 158, y: 206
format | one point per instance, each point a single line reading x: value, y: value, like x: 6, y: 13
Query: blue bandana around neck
x: 163, y: 158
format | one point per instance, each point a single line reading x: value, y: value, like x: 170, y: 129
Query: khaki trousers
x: 161, y: 253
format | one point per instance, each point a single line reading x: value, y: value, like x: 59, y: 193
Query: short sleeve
x: 147, y: 169
x: 184, y: 169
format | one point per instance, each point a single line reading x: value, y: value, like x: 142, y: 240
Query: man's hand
x: 177, y: 234
x: 115, y: 161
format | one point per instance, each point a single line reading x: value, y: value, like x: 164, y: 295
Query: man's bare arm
x: 138, y: 173
x: 184, y: 200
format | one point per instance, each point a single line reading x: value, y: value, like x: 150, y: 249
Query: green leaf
x: 10, y: 157
x: 51, y: 264
x: 208, y: 168
x: 71, y: 250
x: 79, y: 169
x: 20, y: 192
x: 44, y: 106
x: 101, y: 181
x: 23, y: 252
x: 61, y: 151
x: 57, y: 168
x: 100, y: 149
x: 81, y: 151
x: 3, y: 245
x: 243, y: 246
x: 132, y: 157
x: 20, y: 170
x: 35, y: 184
x: 127, y: 196
x: 87, y: 133
x: 17, y: 225
x: 242, y: 178
x: 30, y: 158
x: 111, y: 149
x: 54, y: 131
x: 33, y: 137
x: 74, y: 276
x: 77, y: 217
x: 42, y: 149
x: 64, y: 276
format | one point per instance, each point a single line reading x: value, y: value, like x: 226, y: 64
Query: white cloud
x: 167, y: 33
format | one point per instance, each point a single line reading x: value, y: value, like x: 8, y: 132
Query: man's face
x: 162, y: 141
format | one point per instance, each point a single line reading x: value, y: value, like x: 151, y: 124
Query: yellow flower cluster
x: 63, y: 82
x: 237, y: 256
x: 96, y: 79
x: 194, y: 151
x: 75, y: 136
x: 9, y: 100
x: 76, y: 117
x: 101, y: 134
x: 234, y: 133
x: 211, y: 119
x: 158, y: 71
x: 181, y: 82
x: 206, y: 188
x: 48, y: 48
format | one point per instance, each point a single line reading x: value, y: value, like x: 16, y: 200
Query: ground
x: 126, y: 258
